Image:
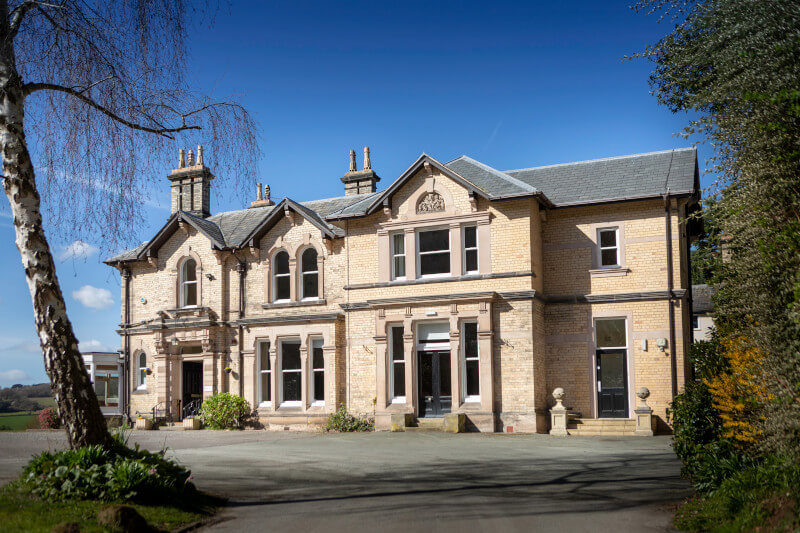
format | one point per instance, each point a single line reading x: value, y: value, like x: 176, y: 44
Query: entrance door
x: 192, y: 386
x: 612, y: 384
x: 435, y: 397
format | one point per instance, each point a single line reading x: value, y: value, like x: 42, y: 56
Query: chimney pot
x: 367, y: 162
x: 267, y: 193
x: 199, y: 154
x: 352, y: 160
x: 259, y: 195
x: 190, y: 160
x: 181, y: 158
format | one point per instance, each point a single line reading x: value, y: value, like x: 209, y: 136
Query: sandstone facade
x: 509, y: 313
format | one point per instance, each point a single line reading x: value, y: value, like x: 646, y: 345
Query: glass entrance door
x: 612, y: 389
x: 435, y: 396
x: 192, y: 386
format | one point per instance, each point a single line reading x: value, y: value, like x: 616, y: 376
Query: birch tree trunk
x: 77, y: 403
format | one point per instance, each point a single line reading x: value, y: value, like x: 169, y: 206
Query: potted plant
x: 143, y: 423
x: 192, y: 423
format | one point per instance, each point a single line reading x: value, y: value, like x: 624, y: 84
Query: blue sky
x: 511, y: 84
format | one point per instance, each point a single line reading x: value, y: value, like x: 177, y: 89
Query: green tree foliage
x: 735, y: 65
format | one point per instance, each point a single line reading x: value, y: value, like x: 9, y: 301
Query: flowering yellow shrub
x: 739, y: 392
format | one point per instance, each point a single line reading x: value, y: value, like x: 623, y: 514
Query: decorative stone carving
x: 644, y: 414
x: 431, y: 203
x: 558, y: 415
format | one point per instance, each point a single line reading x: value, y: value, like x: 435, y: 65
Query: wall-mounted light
x: 210, y: 277
x: 175, y: 342
x: 661, y: 343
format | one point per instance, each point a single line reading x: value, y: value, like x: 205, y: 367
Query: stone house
x: 458, y: 288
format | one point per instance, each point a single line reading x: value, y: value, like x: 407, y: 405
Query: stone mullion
x: 455, y: 249
x: 329, y: 355
x: 304, y: 374
x: 411, y: 253
x: 293, y: 282
x: 411, y: 368
x: 274, y: 376
x: 455, y: 363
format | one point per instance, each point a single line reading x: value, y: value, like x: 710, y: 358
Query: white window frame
x: 184, y: 283
x: 303, y: 274
x: 393, y: 362
x: 447, y: 274
x: 477, y: 357
x: 601, y: 248
x: 262, y: 344
x: 291, y: 403
x: 314, y: 370
x: 141, y: 374
x: 275, y: 277
x: 392, y: 236
x: 464, y: 249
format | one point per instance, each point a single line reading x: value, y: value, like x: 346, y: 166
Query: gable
x: 180, y: 220
x: 287, y: 208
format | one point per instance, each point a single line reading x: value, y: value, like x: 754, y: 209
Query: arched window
x: 280, y: 277
x: 189, y: 283
x: 310, y: 274
x: 141, y: 363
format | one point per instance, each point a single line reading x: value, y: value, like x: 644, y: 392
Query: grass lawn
x: 18, y: 421
x: 20, y: 511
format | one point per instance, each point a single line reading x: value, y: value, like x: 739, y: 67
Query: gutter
x: 671, y: 304
x: 126, y: 276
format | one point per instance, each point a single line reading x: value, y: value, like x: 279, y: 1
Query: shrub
x: 224, y: 411
x: 116, y: 474
x: 344, y: 421
x: 695, y: 421
x: 48, y: 419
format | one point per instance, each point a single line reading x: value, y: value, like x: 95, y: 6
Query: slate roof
x: 614, y: 178
x: 584, y: 182
x: 702, y: 299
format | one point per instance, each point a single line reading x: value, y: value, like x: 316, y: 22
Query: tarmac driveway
x: 417, y: 481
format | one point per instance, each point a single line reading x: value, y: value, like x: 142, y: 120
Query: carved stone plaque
x: 431, y: 203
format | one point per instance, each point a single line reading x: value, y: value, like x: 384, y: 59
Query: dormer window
x: 189, y: 283
x: 310, y: 274
x: 281, y: 277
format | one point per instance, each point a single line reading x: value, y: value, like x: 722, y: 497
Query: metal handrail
x: 192, y: 408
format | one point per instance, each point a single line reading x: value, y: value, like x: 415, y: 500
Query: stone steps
x: 426, y: 424
x: 601, y: 426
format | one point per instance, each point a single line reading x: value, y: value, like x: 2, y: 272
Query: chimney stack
x: 360, y: 181
x: 191, y: 184
x: 262, y: 198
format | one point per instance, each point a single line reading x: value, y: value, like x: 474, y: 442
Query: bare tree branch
x: 30, y: 88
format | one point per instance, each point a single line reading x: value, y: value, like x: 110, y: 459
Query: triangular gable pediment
x: 421, y: 164
x: 204, y: 227
x: 283, y: 209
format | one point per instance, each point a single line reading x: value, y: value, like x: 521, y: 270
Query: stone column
x: 558, y: 415
x: 644, y: 414
x: 250, y: 388
x: 411, y: 367
x: 208, y: 375
x: 329, y: 355
x: 293, y: 292
x: 304, y: 374
x: 455, y: 363
x: 273, y: 364
x: 381, y: 368
x: 485, y: 356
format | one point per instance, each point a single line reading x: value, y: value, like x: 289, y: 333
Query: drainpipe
x: 241, y: 267
x: 126, y: 277
x: 670, y: 299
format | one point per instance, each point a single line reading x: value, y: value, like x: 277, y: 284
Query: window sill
x: 400, y: 400
x: 301, y: 303
x: 140, y: 391
x: 609, y: 272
